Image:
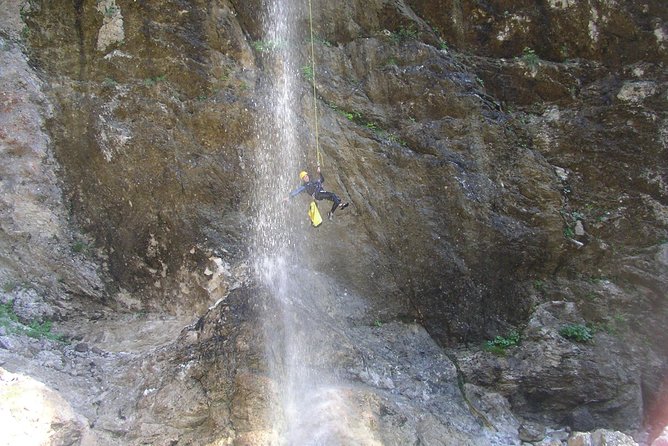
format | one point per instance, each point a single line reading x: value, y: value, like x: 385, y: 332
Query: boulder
x: 32, y: 413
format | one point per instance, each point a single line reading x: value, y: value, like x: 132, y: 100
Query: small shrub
x: 109, y: 82
x: 38, y: 330
x: 23, y: 13
x: 530, y: 58
x: 154, y: 80
x: 391, y: 62
x: 569, y: 232
x: 590, y: 297
x: 577, y: 215
x: 79, y: 247
x: 355, y: 117
x: 404, y: 34
x: 396, y: 139
x: 576, y: 332
x: 307, y: 72
x: 7, y: 312
x: 500, y: 344
x: 110, y: 11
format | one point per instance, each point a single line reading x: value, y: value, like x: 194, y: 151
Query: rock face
x: 505, y: 164
x: 549, y: 377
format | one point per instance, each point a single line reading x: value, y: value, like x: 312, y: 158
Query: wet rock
x: 81, y: 347
x: 532, y: 432
x: 30, y: 306
x: 636, y: 91
x: 601, y: 437
x: 6, y: 343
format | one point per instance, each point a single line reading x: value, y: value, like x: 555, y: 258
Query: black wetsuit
x: 314, y: 189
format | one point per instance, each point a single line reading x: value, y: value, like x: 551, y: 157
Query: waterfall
x: 309, y: 408
x: 277, y: 263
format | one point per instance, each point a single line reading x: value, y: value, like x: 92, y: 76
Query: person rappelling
x: 315, y: 189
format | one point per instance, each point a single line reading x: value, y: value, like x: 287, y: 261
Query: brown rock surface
x: 505, y: 164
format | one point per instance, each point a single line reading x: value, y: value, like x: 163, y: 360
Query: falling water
x: 310, y: 408
x: 276, y: 259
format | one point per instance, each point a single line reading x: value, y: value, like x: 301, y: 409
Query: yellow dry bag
x: 314, y: 215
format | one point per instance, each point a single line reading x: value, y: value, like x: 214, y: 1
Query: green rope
x: 315, y: 99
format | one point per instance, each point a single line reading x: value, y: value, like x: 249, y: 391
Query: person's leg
x: 329, y: 196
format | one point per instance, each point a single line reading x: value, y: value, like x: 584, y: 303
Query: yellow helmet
x: 302, y: 174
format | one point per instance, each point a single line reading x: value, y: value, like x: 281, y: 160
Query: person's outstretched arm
x: 295, y: 192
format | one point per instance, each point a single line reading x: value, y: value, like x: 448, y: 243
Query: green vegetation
x: 307, y: 72
x: 38, y: 330
x: 322, y: 41
x: 359, y: 119
x: 595, y: 280
x: 590, y: 297
x: 377, y: 323
x: 569, y: 232
x: 267, y: 46
x: 571, y: 218
x: 530, y: 58
x: 395, y: 139
x: 442, y: 44
x: 391, y: 61
x: 154, y: 80
x: 403, y: 34
x: 500, y: 344
x: 79, y: 247
x: 539, y: 285
x: 576, y: 332
x: 109, y: 82
x: 111, y: 10
x: 577, y: 215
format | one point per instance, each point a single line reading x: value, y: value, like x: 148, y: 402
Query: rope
x: 315, y: 100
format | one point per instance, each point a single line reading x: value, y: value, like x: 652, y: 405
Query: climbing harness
x: 315, y: 99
